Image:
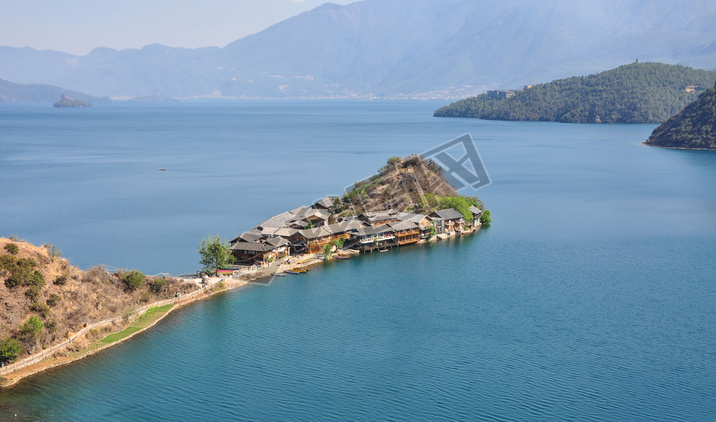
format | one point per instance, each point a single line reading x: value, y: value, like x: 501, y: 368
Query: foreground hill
x: 19, y: 93
x: 635, y: 93
x: 692, y: 128
x: 44, y: 300
x: 434, y: 48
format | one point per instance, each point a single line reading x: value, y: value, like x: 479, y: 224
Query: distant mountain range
x: 635, y: 93
x: 692, y: 128
x: 395, y: 49
x: 33, y: 93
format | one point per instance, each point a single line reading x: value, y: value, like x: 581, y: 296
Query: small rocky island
x: 67, y: 102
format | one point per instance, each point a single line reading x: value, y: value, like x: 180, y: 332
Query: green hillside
x: 634, y: 93
x: 693, y: 128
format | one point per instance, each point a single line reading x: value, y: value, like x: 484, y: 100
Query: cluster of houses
x: 307, y: 230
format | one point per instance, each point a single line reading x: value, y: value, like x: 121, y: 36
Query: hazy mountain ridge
x: 395, y: 48
x: 35, y: 93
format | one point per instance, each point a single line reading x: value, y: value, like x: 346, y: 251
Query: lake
x: 591, y: 297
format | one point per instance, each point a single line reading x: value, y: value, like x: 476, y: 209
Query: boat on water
x: 278, y: 274
x: 342, y: 257
x: 162, y: 169
x: 295, y: 271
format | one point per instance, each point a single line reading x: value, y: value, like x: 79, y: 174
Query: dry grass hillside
x: 43, y: 299
x: 410, y: 184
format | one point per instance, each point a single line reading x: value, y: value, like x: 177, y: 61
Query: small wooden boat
x: 342, y: 257
x: 295, y: 271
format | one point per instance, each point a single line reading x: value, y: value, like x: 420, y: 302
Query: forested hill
x: 634, y: 93
x: 693, y: 128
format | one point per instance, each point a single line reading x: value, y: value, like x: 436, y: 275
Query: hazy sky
x: 78, y: 26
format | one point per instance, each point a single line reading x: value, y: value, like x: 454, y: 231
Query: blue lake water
x: 590, y: 298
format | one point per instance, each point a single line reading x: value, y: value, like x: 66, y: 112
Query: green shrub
x: 134, y: 279
x: 51, y: 325
x: 33, y: 292
x: 10, y: 349
x: 29, y: 332
x: 53, y: 299
x: 43, y: 310
x: 36, y: 279
x: 146, y: 297
x: 22, y: 273
x: 156, y: 285
x: 61, y: 280
x: 485, y: 218
x: 12, y: 248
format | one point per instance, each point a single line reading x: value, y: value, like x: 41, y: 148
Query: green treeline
x: 694, y: 127
x: 634, y: 93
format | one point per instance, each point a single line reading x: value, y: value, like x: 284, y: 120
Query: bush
x: 12, y: 248
x: 30, y: 330
x: 33, y: 292
x: 43, y: 310
x: 134, y: 279
x: 53, y: 299
x: 61, y: 280
x: 485, y: 218
x: 52, y: 250
x: 36, y: 279
x: 10, y: 349
x: 97, y: 273
x: 156, y: 286
x: 21, y: 272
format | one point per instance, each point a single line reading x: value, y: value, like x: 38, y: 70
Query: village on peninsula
x: 56, y: 313
x: 407, y: 202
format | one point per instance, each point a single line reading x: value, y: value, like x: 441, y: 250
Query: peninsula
x: 634, y: 93
x: 408, y: 201
x: 694, y: 127
x: 54, y: 313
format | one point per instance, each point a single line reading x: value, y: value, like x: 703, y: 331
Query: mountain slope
x: 693, y: 128
x: 635, y: 93
x: 396, y: 48
x: 19, y: 93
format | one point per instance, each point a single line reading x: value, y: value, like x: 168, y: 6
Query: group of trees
x: 693, y: 127
x: 635, y: 93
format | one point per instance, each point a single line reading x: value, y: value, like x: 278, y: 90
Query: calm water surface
x: 590, y: 298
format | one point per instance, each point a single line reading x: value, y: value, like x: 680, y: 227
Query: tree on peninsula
x: 215, y: 254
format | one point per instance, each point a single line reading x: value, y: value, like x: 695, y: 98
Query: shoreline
x: 678, y: 148
x: 239, y: 279
x: 12, y: 378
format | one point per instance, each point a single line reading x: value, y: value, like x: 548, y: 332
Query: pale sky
x: 78, y: 26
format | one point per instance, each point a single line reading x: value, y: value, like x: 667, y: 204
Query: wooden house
x: 378, y: 218
x: 406, y: 232
x: 476, y: 214
x: 447, y: 220
x: 260, y: 252
x: 373, y: 237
